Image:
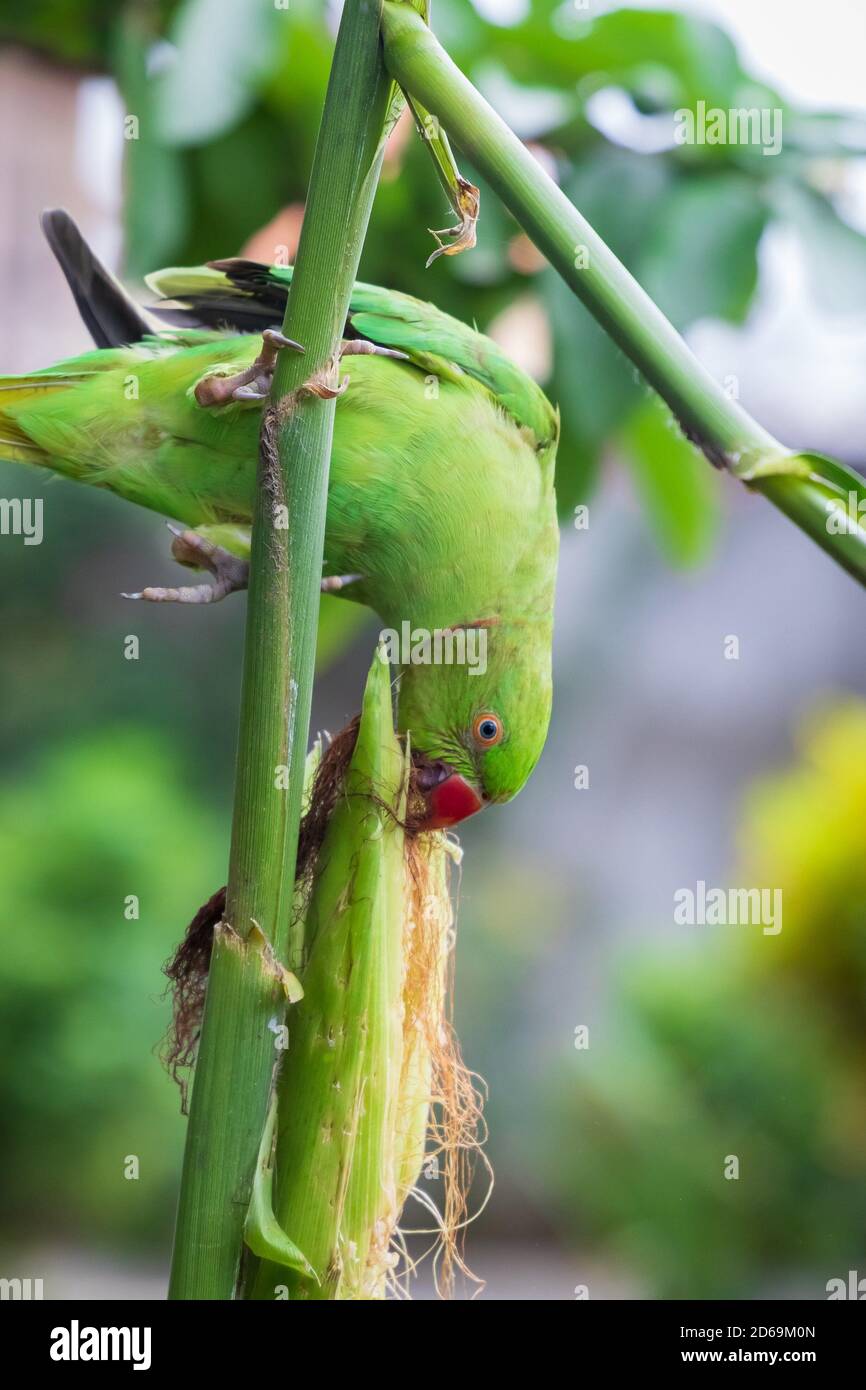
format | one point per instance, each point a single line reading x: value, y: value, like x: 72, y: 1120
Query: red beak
x: 450, y: 801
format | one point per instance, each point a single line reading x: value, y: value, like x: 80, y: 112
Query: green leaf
x: 835, y: 254
x: 225, y: 49
x: 73, y: 31
x: 839, y: 135
x: 567, y: 44
x: 263, y: 1234
x: 231, y: 210
x: 621, y: 193
x: 701, y: 259
x: 156, y: 206
x: 675, y: 483
x: 593, y: 384
x: 692, y: 242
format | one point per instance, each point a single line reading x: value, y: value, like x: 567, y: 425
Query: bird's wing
x: 246, y: 295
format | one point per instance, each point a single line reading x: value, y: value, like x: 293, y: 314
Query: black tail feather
x: 111, y: 317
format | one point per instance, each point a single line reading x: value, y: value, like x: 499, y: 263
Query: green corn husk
x: 369, y: 1040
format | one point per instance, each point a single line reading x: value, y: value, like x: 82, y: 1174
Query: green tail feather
x: 15, y: 391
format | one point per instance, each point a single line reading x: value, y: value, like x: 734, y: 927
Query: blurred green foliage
x: 84, y: 825
x: 751, y: 1046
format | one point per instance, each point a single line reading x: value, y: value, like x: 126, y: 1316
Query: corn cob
x: 369, y: 1044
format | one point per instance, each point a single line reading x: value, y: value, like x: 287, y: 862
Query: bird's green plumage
x: 441, y: 485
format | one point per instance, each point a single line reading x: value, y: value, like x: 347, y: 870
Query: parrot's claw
x: 252, y: 384
x: 333, y: 583
x: 188, y: 548
x: 360, y: 347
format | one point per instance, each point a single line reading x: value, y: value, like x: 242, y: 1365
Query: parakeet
x: 441, y: 509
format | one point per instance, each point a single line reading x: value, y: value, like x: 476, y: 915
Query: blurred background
x: 704, y: 1042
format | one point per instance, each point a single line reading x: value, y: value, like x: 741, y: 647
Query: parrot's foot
x: 252, y: 384
x: 321, y: 383
x: 189, y: 548
x: 230, y: 572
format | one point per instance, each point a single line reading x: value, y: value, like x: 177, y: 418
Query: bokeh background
x: 704, y: 1042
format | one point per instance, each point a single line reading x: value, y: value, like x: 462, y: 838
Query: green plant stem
x: 803, y: 490
x: 236, y: 1054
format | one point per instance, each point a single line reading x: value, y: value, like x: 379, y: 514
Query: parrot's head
x: 476, y: 734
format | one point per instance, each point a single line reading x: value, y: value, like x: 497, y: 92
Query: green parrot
x: 441, y: 510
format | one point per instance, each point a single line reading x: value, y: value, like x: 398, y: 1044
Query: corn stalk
x: 824, y: 498
x: 248, y: 981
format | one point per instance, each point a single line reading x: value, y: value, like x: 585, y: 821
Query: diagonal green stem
x: 805, y: 487
x: 236, y: 1054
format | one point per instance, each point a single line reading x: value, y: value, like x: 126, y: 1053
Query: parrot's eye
x: 487, y: 729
